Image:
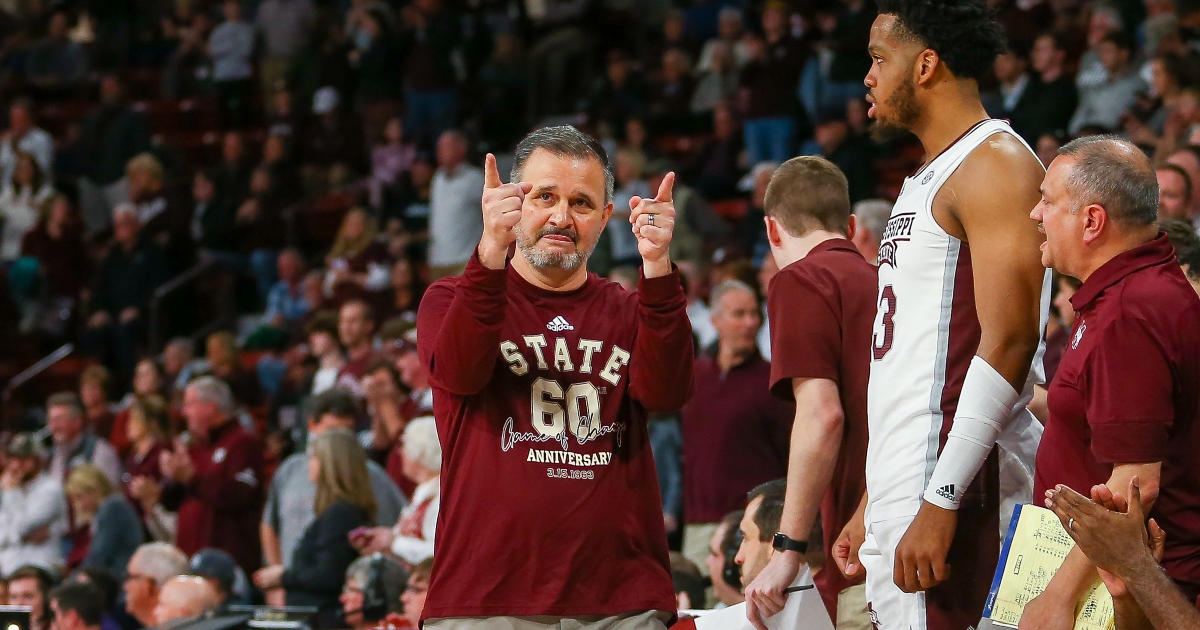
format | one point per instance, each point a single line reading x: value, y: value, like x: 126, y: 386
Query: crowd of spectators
x: 318, y: 161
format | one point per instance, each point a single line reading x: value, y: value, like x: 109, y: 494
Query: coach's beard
x: 552, y: 260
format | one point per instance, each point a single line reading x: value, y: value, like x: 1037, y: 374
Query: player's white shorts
x: 957, y: 603
x: 891, y: 608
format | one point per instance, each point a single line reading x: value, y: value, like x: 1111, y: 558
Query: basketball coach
x: 543, y: 376
x: 1124, y: 401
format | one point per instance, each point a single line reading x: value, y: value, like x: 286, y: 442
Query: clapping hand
x: 1109, y: 529
x: 177, y: 464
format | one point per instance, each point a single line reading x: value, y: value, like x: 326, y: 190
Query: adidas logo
x: 558, y: 324
x: 946, y: 492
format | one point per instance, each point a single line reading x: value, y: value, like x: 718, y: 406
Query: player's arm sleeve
x: 235, y: 485
x: 984, y: 406
x: 660, y: 368
x: 806, y: 335
x: 459, y: 326
x: 1130, y: 402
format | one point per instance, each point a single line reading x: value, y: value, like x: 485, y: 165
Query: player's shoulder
x: 1002, y: 157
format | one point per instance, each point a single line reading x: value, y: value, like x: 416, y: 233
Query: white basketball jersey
x: 926, y: 333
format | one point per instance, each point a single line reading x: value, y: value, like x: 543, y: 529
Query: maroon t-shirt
x: 550, y: 501
x: 822, y: 309
x: 735, y: 437
x: 1127, y: 392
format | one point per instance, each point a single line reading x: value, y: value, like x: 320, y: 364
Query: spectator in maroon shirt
x: 225, y: 363
x: 356, y: 329
x: 544, y: 376
x: 1124, y: 403
x: 735, y: 435
x: 93, y: 394
x: 146, y: 435
x: 428, y: 40
x: 214, y: 480
x: 769, y: 83
x: 671, y: 94
x: 825, y: 293
x: 57, y: 243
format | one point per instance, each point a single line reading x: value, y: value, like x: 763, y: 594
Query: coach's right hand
x: 501, y: 213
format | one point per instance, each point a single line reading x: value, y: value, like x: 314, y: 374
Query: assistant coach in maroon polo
x: 543, y: 376
x: 1125, y: 402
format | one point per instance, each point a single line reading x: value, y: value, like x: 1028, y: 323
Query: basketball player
x: 958, y: 323
x: 543, y: 376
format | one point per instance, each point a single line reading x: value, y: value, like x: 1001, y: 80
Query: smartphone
x: 15, y: 617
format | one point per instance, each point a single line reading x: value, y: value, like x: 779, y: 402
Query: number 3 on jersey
x: 884, y: 326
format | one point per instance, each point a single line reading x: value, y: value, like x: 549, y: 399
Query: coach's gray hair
x: 214, y: 390
x: 159, y: 561
x: 720, y: 290
x: 873, y: 215
x: 564, y: 141
x: 1116, y: 175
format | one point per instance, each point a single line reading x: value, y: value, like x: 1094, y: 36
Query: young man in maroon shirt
x: 1125, y: 402
x: 543, y: 376
x: 823, y: 304
x: 356, y: 325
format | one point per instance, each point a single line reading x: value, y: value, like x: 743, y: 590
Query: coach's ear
x: 1095, y: 220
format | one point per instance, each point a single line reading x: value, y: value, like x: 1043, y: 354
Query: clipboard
x: 1034, y: 548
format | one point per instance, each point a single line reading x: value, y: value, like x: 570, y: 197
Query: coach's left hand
x: 654, y: 241
x: 921, y: 554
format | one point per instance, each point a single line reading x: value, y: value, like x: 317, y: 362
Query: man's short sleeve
x: 806, y: 337
x: 1130, y: 407
x: 271, y: 516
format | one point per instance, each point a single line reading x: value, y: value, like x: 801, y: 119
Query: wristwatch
x: 783, y: 543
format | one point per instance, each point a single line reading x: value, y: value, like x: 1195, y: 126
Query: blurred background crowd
x: 218, y: 219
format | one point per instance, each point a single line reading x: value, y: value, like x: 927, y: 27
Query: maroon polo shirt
x: 1126, y: 393
x: 822, y: 310
x: 735, y: 437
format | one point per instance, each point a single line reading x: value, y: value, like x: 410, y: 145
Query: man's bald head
x: 1114, y: 174
x: 185, y: 596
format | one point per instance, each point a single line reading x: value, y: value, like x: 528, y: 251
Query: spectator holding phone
x: 344, y: 502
